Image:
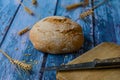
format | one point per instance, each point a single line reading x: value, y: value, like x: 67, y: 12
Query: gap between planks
x: 10, y: 23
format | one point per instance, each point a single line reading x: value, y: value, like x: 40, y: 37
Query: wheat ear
x: 20, y: 64
x: 87, y: 13
x: 23, y: 31
x: 90, y: 11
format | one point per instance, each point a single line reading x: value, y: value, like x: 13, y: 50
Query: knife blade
x: 95, y: 64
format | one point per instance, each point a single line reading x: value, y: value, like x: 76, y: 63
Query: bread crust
x: 56, y: 35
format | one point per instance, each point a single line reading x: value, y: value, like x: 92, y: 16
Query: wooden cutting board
x: 102, y: 51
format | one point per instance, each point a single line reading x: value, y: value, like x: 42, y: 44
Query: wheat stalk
x: 90, y: 11
x: 22, y: 65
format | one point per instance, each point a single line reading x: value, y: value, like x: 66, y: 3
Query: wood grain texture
x: 13, y: 41
x: 102, y: 51
x: 8, y: 9
x: 107, y: 22
x: 105, y: 27
x: 55, y: 60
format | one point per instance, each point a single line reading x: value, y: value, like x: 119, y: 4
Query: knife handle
x: 107, y: 62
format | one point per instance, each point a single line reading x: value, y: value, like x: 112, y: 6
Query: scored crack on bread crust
x: 56, y: 35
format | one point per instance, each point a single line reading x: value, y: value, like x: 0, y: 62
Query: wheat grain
x: 36, y: 62
x: 34, y: 2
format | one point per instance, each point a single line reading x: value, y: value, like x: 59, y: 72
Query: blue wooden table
x: 103, y: 26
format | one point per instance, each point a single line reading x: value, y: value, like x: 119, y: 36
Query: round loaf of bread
x: 56, y: 35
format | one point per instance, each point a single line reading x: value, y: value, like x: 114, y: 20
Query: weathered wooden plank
x: 8, y: 9
x: 13, y: 41
x: 55, y: 60
x: 107, y: 22
x: 100, y: 53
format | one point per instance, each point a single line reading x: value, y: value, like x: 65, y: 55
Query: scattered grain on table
x: 24, y: 61
x: 31, y: 60
x: 34, y: 2
x: 66, y: 56
x: 27, y: 54
x: 28, y: 47
x: 16, y: 49
x: 63, y: 64
x: 53, y: 64
x: 23, y: 42
x: 35, y: 62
